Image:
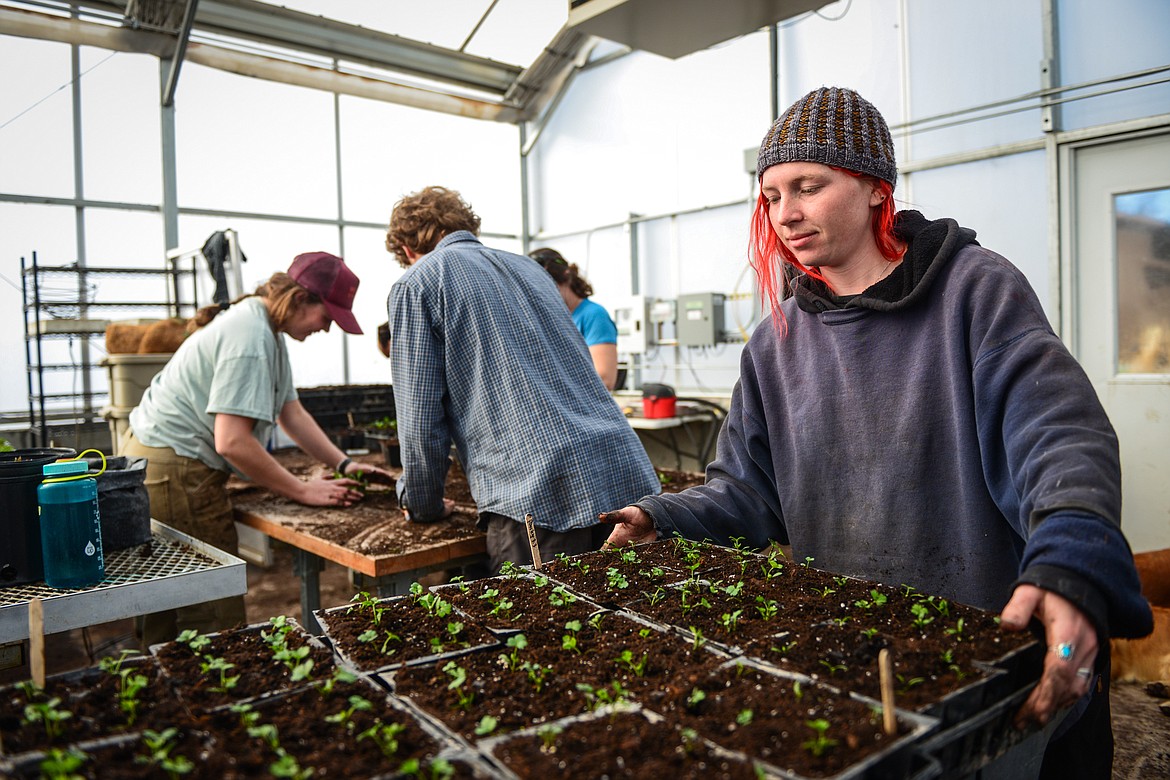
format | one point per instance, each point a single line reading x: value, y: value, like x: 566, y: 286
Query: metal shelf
x: 177, y: 571
x: 61, y: 318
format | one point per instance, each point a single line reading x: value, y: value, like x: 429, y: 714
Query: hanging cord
x: 86, y: 475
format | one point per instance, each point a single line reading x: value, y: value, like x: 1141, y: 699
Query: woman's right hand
x: 330, y: 492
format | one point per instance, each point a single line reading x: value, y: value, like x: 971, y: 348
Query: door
x: 1119, y: 315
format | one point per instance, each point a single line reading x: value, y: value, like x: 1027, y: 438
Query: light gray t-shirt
x: 236, y: 365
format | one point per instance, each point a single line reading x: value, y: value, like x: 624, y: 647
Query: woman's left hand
x: 1072, y: 649
x: 380, y: 475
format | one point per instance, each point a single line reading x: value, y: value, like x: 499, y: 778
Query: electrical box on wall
x: 632, y: 321
x: 700, y: 319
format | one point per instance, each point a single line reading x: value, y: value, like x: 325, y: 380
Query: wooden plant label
x: 532, y: 541
x: 36, y: 641
x: 886, y: 679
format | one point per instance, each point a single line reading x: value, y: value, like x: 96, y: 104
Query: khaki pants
x: 189, y: 497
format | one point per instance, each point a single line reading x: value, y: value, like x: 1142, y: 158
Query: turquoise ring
x: 1064, y: 651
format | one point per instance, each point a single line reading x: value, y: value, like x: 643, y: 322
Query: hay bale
x: 124, y: 337
x: 163, y: 336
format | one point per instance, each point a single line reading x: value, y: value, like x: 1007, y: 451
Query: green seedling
x: 906, y: 683
x: 922, y: 616
x: 296, y: 661
x: 957, y: 631
x: 195, y: 641
x: 833, y: 668
x: 820, y: 742
x: 734, y: 589
x: 49, y: 714
x: 548, y: 738
x: 344, y: 718
x: 458, y: 677
x: 61, y: 764
x: 222, y: 667
x: 487, y: 724
x: 511, y: 570
x: 560, y: 597
x: 569, y: 640
x: 768, y: 608
x: 744, y: 718
x: 697, y: 638
x: 730, y: 620
x: 159, y: 745
x: 599, y: 697
x: 512, y: 660
x: 638, y: 666
x: 616, y: 579
x: 287, y: 766
x: 537, y: 674
x: 869, y: 633
x: 695, y: 698
x: 365, y: 602
x: 384, y: 735
x: 339, y: 677
x: 656, y: 596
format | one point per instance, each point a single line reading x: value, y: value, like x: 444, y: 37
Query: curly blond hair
x: 420, y: 220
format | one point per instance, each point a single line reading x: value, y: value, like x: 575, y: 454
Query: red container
x: 658, y: 401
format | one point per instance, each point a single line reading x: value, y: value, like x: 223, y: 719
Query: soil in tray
x: 618, y: 745
x: 772, y: 719
x: 541, y: 677
x: 134, y: 757
x: 339, y: 729
x: 93, y: 699
x: 201, y: 675
x: 768, y: 607
x: 342, y: 730
x: 373, y: 634
x: 509, y: 604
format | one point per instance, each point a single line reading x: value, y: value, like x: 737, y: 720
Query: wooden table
x: 683, y: 419
x: 388, y: 574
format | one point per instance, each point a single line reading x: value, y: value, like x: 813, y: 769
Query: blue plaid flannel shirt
x: 484, y: 354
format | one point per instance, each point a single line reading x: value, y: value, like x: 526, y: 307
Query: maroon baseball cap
x: 327, y: 277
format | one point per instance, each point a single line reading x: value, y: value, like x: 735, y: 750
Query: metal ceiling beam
x: 168, y: 96
x: 29, y: 24
x: 275, y: 25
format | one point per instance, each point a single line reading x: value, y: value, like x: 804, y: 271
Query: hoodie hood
x: 930, y: 244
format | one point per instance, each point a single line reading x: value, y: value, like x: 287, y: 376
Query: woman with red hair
x: 911, y: 418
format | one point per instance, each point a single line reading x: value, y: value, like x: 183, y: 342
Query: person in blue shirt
x: 484, y: 356
x: 590, y: 317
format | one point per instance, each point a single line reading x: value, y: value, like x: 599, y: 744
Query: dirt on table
x: 375, y: 526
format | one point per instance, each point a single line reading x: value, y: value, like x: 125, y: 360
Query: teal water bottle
x: 71, y: 531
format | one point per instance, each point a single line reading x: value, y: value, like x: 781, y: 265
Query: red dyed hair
x: 768, y: 255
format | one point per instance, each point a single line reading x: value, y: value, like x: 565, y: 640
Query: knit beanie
x: 831, y: 126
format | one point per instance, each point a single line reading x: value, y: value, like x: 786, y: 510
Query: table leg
x: 308, y: 566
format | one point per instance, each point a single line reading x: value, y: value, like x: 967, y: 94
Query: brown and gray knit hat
x: 831, y: 126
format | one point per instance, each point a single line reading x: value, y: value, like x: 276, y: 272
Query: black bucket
x: 123, y: 501
x: 20, y: 474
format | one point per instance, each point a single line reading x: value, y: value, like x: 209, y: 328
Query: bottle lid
x: 61, y: 468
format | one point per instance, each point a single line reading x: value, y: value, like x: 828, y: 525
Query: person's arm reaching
x: 296, y: 421
x: 234, y: 441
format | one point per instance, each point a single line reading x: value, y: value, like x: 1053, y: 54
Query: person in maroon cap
x: 211, y: 410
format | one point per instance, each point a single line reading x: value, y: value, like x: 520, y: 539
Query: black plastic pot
x: 123, y: 501
x: 388, y: 443
x: 20, y: 474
